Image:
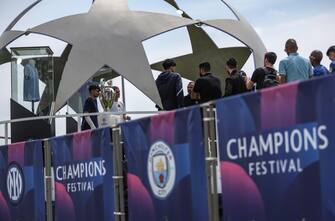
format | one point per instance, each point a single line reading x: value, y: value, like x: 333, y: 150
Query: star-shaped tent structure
x: 109, y: 34
x: 204, y: 49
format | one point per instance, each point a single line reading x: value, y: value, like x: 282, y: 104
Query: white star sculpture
x: 109, y: 34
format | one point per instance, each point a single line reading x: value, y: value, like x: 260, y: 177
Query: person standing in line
x: 208, y: 85
x: 192, y: 97
x: 235, y: 83
x: 91, y: 106
x: 266, y: 76
x: 170, y: 87
x: 318, y: 69
x: 331, y: 55
x: 294, y: 67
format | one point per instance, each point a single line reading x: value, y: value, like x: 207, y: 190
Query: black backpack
x: 270, y: 78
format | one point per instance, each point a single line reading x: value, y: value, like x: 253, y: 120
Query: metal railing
x: 78, y: 118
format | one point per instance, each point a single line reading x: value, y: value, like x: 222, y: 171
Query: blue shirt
x: 295, y: 68
x: 31, y: 90
x: 320, y: 70
x: 332, y: 67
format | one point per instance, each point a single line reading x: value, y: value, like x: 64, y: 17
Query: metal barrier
x: 119, y: 176
x: 75, y: 116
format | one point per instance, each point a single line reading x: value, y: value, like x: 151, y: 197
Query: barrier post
x: 118, y: 177
x: 211, y: 152
x: 78, y: 124
x: 48, y: 179
x: 6, y: 133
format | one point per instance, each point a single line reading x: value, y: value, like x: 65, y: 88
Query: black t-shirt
x: 90, y: 106
x: 209, y: 88
x: 259, y: 75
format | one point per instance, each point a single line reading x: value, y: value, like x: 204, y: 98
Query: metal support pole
x: 78, y: 123
x: 211, y: 162
x: 123, y: 92
x: 48, y: 180
x: 119, y: 213
x: 6, y: 133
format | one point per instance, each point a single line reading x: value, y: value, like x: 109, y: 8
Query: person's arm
x: 282, y: 77
x: 249, y: 84
x: 254, y: 78
x: 179, y: 92
x: 90, y: 122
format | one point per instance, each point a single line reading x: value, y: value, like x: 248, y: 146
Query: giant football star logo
x: 111, y: 34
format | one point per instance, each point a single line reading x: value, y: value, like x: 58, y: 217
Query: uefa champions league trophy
x: 107, y: 97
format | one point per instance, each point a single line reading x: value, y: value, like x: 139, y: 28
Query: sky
x: 308, y: 21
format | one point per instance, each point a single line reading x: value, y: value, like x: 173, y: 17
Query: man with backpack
x: 266, y: 76
x: 235, y: 83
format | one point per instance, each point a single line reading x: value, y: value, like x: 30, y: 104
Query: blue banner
x: 22, y: 182
x: 83, y: 172
x: 166, y: 167
x: 277, y: 148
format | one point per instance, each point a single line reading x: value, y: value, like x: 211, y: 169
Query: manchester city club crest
x: 161, y: 169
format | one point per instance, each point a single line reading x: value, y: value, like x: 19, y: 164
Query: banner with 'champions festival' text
x: 166, y: 167
x: 277, y: 149
x: 83, y: 171
x: 22, y: 182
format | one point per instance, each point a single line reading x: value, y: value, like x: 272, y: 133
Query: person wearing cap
x: 331, y: 55
x: 294, y: 67
x: 315, y: 59
x: 91, y: 106
x: 170, y: 87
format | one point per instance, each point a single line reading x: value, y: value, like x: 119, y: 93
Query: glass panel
x: 33, y: 79
x: 32, y: 51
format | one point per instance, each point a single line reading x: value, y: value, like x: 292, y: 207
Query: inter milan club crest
x: 161, y: 169
x: 15, y: 183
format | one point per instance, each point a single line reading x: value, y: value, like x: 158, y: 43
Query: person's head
x: 270, y: 59
x: 331, y: 53
x: 169, y: 65
x: 94, y: 90
x: 190, y: 87
x: 204, y: 68
x: 316, y: 57
x: 117, y: 92
x: 231, y: 65
x: 291, y: 46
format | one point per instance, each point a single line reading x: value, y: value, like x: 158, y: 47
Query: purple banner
x: 276, y: 150
x: 83, y: 168
x: 22, y: 182
x: 166, y: 167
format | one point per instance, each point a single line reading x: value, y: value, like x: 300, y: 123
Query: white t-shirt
x: 118, y: 107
